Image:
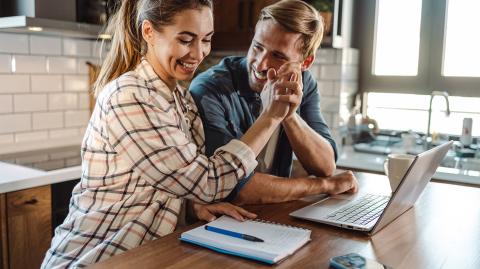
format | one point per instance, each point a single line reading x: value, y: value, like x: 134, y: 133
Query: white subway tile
x: 76, y: 118
x: 84, y: 100
x: 77, y: 47
x: 325, y: 56
x: 62, y: 65
x: 30, y: 102
x: 14, y: 83
x: 326, y: 88
x: 47, y: 120
x: 330, y: 72
x: 330, y: 104
x: 82, y: 130
x: 11, y: 123
x: 348, y: 87
x: 29, y: 64
x: 82, y: 67
x: 45, y: 45
x: 349, y: 72
x: 13, y: 43
x: 46, y: 83
x: 5, y: 63
x: 62, y: 133
x: 348, y: 56
x: 29, y: 137
x: 315, y: 70
x: 62, y: 101
x: 6, y: 103
x: 34, y: 158
x: 6, y: 139
x: 77, y: 83
x: 99, y: 51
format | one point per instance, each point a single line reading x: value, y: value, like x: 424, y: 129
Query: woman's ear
x: 147, y: 32
x: 308, y: 62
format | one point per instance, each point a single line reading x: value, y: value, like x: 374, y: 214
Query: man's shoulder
x: 218, y: 77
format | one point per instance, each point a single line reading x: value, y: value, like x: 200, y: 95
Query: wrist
x: 290, y: 119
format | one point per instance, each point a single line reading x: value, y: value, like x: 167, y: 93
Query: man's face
x: 272, y: 46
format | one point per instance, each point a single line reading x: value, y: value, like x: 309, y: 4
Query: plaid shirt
x: 138, y: 165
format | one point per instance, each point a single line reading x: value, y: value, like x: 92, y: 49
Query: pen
x: 233, y: 234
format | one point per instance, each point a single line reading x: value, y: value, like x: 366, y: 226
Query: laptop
x: 371, y: 212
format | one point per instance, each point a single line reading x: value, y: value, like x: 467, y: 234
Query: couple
x: 149, y: 147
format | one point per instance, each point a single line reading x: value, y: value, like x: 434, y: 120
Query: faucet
x: 447, y: 113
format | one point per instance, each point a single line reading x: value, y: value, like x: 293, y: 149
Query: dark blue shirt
x: 229, y: 107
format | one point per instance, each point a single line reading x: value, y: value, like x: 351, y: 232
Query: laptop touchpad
x: 321, y: 208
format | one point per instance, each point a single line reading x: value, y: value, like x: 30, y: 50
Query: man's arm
x: 264, y: 188
x: 308, y: 133
x: 313, y: 151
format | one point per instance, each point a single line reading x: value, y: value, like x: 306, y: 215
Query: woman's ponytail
x: 126, y: 45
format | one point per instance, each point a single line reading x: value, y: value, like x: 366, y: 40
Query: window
x: 419, y: 46
x: 462, y: 39
x: 397, y: 39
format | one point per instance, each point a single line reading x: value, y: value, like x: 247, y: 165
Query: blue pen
x: 233, y: 234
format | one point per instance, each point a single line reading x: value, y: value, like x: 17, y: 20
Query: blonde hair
x: 127, y: 45
x: 298, y: 17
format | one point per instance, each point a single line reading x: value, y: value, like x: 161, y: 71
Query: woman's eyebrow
x: 193, y: 34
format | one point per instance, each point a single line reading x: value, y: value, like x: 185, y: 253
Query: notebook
x: 280, y: 241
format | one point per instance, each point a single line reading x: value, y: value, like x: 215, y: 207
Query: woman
x: 143, y: 151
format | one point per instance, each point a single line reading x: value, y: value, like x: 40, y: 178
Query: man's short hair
x: 298, y: 17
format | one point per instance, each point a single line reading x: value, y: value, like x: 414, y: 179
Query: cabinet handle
x: 31, y: 201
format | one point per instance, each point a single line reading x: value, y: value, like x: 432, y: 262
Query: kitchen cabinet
x: 25, y: 227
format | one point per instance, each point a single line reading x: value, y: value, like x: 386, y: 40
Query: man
x: 230, y: 97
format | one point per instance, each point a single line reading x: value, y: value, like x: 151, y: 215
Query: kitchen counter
x: 28, y: 169
x: 351, y: 159
x: 16, y: 177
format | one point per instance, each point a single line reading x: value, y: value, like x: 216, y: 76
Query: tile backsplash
x: 44, y: 90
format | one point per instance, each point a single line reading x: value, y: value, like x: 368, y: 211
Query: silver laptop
x: 372, y: 212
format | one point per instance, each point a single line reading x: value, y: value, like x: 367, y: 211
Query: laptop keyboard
x: 362, y: 211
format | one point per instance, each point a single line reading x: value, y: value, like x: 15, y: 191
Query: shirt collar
x: 145, y: 71
x: 242, y: 79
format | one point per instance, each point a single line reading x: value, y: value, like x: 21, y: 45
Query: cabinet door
x: 29, y: 226
x: 3, y: 233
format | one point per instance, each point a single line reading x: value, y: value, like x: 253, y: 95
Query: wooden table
x: 441, y: 231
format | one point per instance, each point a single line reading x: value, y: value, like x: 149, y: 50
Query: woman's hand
x: 210, y: 211
x: 274, y: 109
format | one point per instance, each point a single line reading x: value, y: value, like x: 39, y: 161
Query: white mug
x: 396, y: 165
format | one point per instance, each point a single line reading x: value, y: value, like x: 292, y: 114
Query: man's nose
x: 263, y: 63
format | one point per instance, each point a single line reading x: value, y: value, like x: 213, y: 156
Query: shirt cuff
x: 243, y: 153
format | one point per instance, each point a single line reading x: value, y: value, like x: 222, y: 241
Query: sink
x: 451, y: 161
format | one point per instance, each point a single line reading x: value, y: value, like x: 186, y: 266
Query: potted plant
x: 325, y: 8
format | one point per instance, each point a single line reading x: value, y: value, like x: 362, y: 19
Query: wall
x: 336, y: 71
x: 43, y: 88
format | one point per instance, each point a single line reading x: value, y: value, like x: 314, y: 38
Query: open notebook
x: 280, y: 241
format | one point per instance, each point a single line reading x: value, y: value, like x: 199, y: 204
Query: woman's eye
x: 185, y: 41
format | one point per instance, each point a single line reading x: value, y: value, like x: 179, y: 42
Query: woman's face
x: 176, y: 51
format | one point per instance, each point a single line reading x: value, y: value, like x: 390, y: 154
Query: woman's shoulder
x: 129, y: 86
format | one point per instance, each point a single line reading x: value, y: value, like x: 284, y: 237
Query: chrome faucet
x: 447, y: 113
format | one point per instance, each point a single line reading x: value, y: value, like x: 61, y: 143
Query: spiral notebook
x: 280, y: 241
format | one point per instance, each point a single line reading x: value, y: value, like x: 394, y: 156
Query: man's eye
x: 207, y: 40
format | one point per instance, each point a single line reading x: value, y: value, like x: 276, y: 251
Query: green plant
x: 322, y: 5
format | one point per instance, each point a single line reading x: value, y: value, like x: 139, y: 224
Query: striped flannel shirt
x: 137, y: 167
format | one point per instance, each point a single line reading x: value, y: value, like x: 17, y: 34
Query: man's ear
x: 308, y: 62
x: 147, y: 32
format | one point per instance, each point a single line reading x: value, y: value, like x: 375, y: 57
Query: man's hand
x: 274, y: 109
x: 210, y: 211
x: 290, y: 74
x: 340, y: 183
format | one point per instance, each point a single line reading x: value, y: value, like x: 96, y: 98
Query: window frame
x: 429, y: 77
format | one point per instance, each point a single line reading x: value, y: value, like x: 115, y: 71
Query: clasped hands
x: 283, y: 91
